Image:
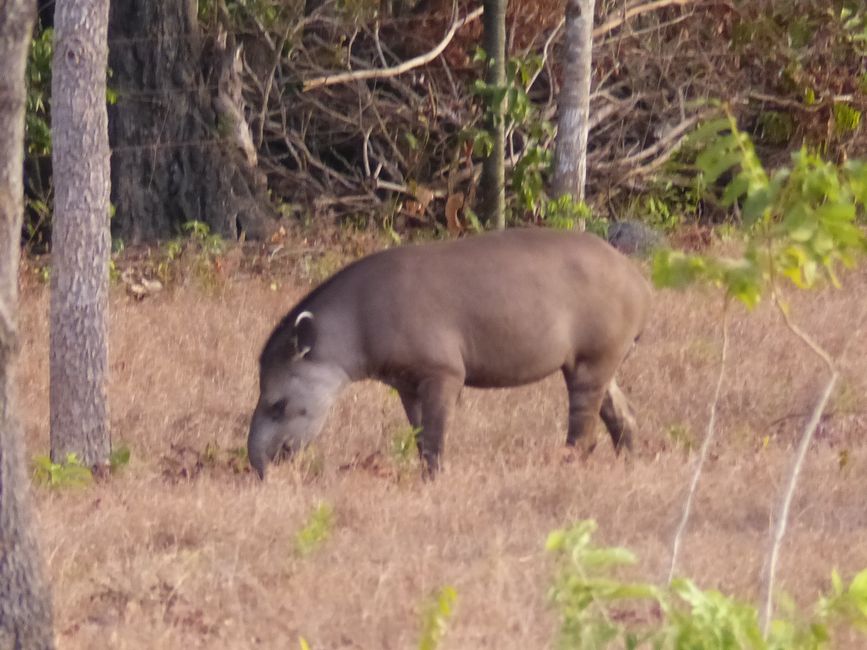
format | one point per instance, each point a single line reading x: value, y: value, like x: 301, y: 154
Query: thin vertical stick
x: 705, y: 447
x: 806, y: 439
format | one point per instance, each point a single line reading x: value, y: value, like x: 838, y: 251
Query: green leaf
x: 714, y: 167
x: 600, y: 558
x: 709, y: 130
x: 758, y: 202
x: 675, y: 269
x: 858, y: 588
x: 735, y: 190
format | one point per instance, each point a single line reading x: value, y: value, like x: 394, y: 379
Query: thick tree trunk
x: 492, y: 184
x: 25, y: 606
x: 573, y: 105
x: 181, y: 150
x: 80, y: 236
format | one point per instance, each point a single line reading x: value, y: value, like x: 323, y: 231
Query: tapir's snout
x: 291, y: 410
x: 263, y: 442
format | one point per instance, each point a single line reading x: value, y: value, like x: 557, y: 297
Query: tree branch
x: 380, y: 73
x: 614, y: 23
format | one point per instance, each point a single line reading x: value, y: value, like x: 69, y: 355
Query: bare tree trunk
x: 492, y: 183
x: 573, y: 106
x: 181, y: 149
x: 80, y: 236
x: 25, y: 605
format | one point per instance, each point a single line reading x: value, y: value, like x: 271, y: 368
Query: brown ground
x: 180, y: 551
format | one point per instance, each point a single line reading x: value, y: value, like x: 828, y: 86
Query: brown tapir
x: 492, y: 310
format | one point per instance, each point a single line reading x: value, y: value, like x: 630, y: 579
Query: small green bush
x: 316, y: 530
x: 679, y: 616
x: 69, y: 473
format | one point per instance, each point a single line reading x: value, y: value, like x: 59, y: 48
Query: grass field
x: 182, y: 550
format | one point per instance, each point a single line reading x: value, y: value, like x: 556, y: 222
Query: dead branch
x: 614, y: 23
x: 424, y: 59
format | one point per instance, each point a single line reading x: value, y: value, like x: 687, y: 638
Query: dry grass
x: 154, y: 559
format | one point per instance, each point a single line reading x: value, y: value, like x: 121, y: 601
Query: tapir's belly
x: 500, y: 361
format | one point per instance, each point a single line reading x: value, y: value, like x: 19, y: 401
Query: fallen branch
x: 380, y: 73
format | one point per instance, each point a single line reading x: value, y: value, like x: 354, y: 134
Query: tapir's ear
x: 304, y: 334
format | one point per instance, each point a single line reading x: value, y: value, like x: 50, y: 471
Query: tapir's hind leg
x: 585, y: 398
x: 618, y: 417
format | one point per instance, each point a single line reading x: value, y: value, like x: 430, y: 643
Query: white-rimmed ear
x: 304, y: 335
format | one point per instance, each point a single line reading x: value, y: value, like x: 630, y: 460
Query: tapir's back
x: 512, y: 306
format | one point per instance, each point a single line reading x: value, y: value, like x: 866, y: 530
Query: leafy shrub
x: 680, y: 616
x: 801, y: 219
x: 69, y: 473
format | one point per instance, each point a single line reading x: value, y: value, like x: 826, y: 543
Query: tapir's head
x: 295, y: 391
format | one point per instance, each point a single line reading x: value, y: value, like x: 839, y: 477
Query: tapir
x: 493, y: 310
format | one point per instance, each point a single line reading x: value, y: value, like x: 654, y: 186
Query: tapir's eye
x: 278, y: 409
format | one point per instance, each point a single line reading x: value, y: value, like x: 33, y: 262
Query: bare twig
x: 705, y: 447
x: 797, y: 466
x: 269, y: 82
x: 423, y: 59
x: 614, y: 23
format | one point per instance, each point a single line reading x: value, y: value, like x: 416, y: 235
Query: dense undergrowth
x: 403, y: 151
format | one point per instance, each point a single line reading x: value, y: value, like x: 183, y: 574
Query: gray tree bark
x: 80, y: 235
x: 492, y: 185
x: 181, y: 150
x: 25, y: 605
x: 573, y: 105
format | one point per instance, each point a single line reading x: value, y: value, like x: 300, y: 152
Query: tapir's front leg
x: 437, y: 396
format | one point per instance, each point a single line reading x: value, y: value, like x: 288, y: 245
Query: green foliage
x: 237, y: 13
x: 37, y: 136
x: 800, y: 220
x: 200, y: 233
x: 591, y: 604
x: 69, y: 473
x: 522, y: 122
x: 119, y: 457
x: 681, y: 437
x: 404, y: 448
x: 564, y: 213
x: 582, y: 589
x: 200, y: 247
x: 809, y: 51
x: 775, y: 127
x: 436, y: 617
x: 669, y: 201
x: 846, y: 118
x: 37, y: 133
x: 316, y: 530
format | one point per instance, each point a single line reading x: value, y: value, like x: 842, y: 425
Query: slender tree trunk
x: 573, y: 106
x: 80, y: 235
x: 181, y: 149
x: 492, y: 183
x: 25, y: 605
